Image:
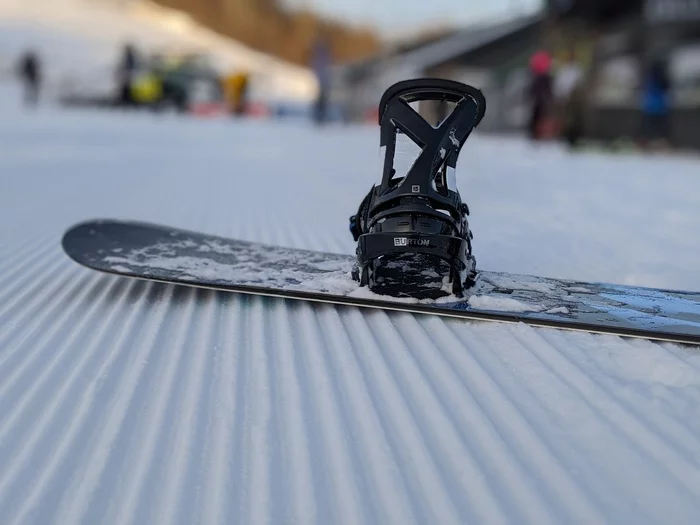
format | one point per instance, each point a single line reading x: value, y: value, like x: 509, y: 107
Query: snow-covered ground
x: 80, y: 42
x: 129, y: 402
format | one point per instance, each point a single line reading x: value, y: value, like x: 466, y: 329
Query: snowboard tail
x: 171, y: 255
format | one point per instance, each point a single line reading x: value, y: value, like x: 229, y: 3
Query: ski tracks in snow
x: 133, y: 402
x: 190, y: 406
x: 579, y: 417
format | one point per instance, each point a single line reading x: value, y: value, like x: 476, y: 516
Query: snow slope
x: 80, y: 41
x: 129, y: 402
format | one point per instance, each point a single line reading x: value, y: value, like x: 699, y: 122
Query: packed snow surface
x: 486, y: 302
x: 123, y: 401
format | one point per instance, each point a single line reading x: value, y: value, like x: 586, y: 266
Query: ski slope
x: 132, y: 402
x: 80, y: 43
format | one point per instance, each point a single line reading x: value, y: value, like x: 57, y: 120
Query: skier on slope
x: 569, y: 99
x: 541, y: 95
x: 655, y: 105
x: 126, y: 70
x: 321, y: 60
x: 29, y: 72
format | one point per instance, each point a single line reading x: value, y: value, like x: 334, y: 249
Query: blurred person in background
x: 29, y: 71
x: 321, y: 60
x: 126, y: 69
x: 569, y: 100
x: 236, y: 88
x: 655, y: 105
x: 541, y: 96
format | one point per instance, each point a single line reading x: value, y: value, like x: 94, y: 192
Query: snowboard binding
x: 412, y: 233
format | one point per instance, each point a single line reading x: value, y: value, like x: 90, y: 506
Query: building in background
x: 613, y: 41
x: 493, y: 58
x: 625, y: 38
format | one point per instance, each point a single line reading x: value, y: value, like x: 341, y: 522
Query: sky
x: 395, y: 16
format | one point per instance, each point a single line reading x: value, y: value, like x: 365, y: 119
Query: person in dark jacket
x: 540, y: 94
x: 321, y: 61
x: 30, y: 76
x: 125, y: 75
x: 655, y: 104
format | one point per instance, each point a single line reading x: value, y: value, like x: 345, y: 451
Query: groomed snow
x: 128, y: 402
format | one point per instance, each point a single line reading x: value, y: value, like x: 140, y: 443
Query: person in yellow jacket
x: 236, y: 91
x: 146, y: 88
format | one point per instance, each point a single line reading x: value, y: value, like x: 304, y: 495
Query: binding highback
x: 440, y: 146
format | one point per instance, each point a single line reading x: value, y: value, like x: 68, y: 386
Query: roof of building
x: 466, y: 40
x: 440, y: 50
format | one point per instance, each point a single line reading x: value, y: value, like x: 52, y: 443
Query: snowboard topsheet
x: 161, y: 253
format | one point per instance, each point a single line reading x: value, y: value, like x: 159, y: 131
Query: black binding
x: 418, y: 214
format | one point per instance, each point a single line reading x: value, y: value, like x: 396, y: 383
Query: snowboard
x: 171, y: 255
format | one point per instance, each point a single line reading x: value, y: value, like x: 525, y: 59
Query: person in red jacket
x: 540, y: 94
